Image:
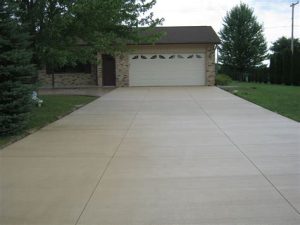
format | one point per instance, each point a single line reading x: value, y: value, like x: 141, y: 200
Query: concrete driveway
x: 156, y: 156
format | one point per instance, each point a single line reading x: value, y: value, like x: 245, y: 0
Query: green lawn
x: 53, y: 108
x: 282, y: 99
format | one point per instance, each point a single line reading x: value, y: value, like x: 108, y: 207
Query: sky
x: 275, y: 15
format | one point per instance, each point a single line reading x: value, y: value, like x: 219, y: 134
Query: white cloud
x: 275, y: 14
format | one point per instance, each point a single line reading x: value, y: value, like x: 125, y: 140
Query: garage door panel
x: 166, y: 69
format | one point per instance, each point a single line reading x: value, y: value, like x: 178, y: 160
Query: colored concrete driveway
x: 156, y: 155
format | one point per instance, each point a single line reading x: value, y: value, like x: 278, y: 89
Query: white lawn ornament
x: 37, y: 100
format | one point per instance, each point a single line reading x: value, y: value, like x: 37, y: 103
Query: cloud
x: 275, y: 15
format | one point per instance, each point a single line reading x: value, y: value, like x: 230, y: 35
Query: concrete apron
x: 156, y: 155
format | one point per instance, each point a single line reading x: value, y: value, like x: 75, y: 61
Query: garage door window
x: 172, y: 57
x: 143, y: 57
x: 180, y: 57
x: 135, y: 57
x: 153, y: 57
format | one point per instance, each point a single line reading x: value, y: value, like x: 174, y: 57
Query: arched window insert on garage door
x: 153, y: 57
x: 198, y: 56
x: 190, y: 56
x: 135, y: 57
x: 172, y: 57
x: 161, y: 57
x: 180, y: 57
x: 143, y: 57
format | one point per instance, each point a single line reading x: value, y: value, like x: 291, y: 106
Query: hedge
x: 285, y: 68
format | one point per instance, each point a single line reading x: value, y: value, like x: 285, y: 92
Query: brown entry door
x: 109, y: 70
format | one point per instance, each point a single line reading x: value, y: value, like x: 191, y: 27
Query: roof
x: 187, y: 35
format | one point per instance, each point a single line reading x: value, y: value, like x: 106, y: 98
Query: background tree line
x: 243, y: 51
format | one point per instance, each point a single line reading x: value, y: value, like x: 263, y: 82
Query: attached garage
x: 184, y: 56
x: 161, y: 69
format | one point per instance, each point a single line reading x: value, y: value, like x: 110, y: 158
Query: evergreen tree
x: 15, y: 71
x: 284, y: 43
x: 243, y: 46
x: 286, y: 69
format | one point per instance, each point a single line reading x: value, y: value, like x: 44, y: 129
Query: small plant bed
x: 53, y: 108
x: 277, y: 98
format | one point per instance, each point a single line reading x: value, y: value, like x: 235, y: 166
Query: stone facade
x: 67, y: 79
x: 210, y: 66
x: 99, y: 70
x: 122, y: 70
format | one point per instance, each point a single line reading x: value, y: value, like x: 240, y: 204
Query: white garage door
x: 166, y: 69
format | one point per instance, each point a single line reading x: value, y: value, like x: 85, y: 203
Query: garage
x: 181, y: 56
x: 173, y: 69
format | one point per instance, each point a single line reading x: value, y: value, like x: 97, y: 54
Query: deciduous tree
x: 71, y: 31
x: 243, y: 46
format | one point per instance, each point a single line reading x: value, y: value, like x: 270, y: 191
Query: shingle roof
x: 188, y: 35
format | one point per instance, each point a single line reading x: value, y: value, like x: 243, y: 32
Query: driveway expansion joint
x: 247, y: 157
x: 108, y: 164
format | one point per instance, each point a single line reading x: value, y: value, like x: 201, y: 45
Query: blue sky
x: 274, y: 14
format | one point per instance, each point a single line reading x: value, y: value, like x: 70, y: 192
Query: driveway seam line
x: 246, y: 156
x: 108, y: 163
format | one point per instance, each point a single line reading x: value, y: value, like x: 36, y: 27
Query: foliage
x: 285, y: 67
x: 15, y: 71
x: 223, y: 80
x: 53, y: 108
x: 68, y: 32
x: 259, y: 75
x: 277, y: 98
x: 283, y: 44
x: 243, y: 46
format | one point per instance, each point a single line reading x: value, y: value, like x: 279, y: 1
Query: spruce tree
x: 15, y: 71
x: 243, y: 46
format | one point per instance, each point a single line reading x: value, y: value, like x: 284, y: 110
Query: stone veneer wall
x: 122, y: 62
x: 210, y: 66
x: 99, y: 70
x: 122, y: 70
x: 67, y: 79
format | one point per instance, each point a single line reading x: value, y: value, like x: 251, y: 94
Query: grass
x: 282, y: 99
x: 54, y: 107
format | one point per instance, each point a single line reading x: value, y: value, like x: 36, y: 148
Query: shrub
x: 223, y: 80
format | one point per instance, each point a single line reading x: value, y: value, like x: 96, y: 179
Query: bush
x: 223, y: 80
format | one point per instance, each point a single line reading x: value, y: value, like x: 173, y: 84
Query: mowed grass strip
x: 283, y: 99
x: 53, y: 108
